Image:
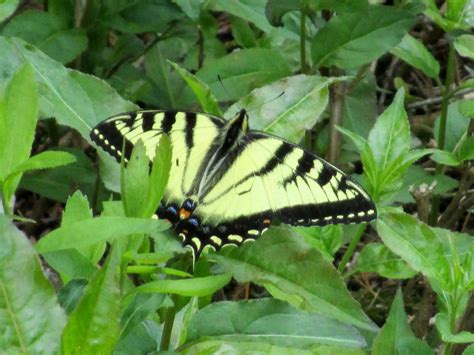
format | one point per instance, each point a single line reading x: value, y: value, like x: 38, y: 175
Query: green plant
x: 124, y: 282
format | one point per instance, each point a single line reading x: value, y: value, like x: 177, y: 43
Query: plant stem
x: 303, y: 37
x: 6, y: 207
x: 167, y: 328
x: 336, y: 96
x: 351, y: 248
x: 443, y: 122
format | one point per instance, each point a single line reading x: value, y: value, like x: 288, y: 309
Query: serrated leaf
x: 352, y: 39
x: 271, y: 321
x: 442, y: 324
x: 293, y: 271
x: 417, y: 55
x: 31, y: 320
x: 417, y: 244
x: 396, y: 336
x: 302, y: 101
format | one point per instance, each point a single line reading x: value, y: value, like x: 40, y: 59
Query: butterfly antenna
x: 223, y: 87
x: 267, y: 102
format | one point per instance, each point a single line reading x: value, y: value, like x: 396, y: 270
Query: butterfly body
x: 227, y: 182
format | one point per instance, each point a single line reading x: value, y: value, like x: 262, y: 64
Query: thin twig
x: 337, y: 93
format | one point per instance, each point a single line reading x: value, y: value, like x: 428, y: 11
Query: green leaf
x: 49, y: 33
x: 198, y: 286
x: 298, y: 109
x: 75, y: 99
x: 43, y: 160
x: 158, y: 178
x: 456, y: 126
x: 210, y: 347
x: 243, y: 33
x: 442, y: 324
x: 141, y: 306
x: 417, y: 55
x: 352, y: 39
x: 57, y: 184
x: 396, y: 337
x: 17, y: 121
x: 93, y: 327
x: 93, y: 231
x: 466, y: 107
x: 326, y: 239
x: 209, y: 103
x: 70, y: 264
x: 70, y: 294
x: 446, y: 158
x: 242, y: 71
x: 466, y: 150
x: 376, y: 257
x: 249, y: 10
x: 465, y: 45
x: 417, y: 244
x: 7, y: 8
x: 270, y: 321
x: 295, y: 272
x: 31, y: 320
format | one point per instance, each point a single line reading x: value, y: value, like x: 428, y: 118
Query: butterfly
x: 227, y: 183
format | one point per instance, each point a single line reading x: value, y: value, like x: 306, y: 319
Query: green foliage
x: 300, y: 68
x: 31, y: 319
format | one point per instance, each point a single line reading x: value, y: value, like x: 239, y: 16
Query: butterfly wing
x: 270, y: 178
x: 191, y: 134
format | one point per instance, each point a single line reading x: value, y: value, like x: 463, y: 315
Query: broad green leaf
x: 242, y: 71
x: 75, y: 99
x: 442, y: 324
x: 7, y: 8
x: 446, y: 158
x: 208, y: 102
x: 17, y: 120
x: 70, y: 264
x: 31, y: 320
x: 376, y: 257
x: 360, y: 106
x: 249, y: 10
x: 90, y: 232
x: 142, y: 16
x: 396, y: 337
x: 469, y: 350
x: 417, y: 55
x: 198, y: 286
x: 417, y: 244
x: 271, y: 321
x: 456, y: 126
x: 303, y: 99
x: 210, y: 347
x: 326, y: 239
x: 465, y: 45
x: 191, y: 8
x: 352, y: 39
x: 93, y: 327
x: 49, y: 33
x: 243, y: 32
x: 466, y: 149
x: 295, y: 272
x: 466, y: 107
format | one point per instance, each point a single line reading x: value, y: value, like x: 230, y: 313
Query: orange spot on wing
x: 183, y: 214
x: 266, y: 221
